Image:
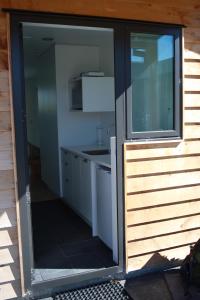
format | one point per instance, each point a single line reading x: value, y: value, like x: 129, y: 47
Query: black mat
x: 111, y: 290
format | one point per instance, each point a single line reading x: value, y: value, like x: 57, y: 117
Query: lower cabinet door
x: 85, y: 190
x: 75, y: 195
x: 104, y: 205
x: 66, y: 176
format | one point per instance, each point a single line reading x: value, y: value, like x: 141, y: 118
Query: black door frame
x: 18, y: 88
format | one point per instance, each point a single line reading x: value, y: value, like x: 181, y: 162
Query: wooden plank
x: 192, y: 116
x: 137, y: 10
x: 4, y: 74
x: 162, y: 165
x: 10, y: 290
x: 9, y: 255
x: 158, y: 259
x: 191, y: 51
x: 163, y: 212
x: 192, y: 132
x: 165, y: 181
x: 191, y: 18
x: 192, y: 100
x: 162, y: 197
x: 192, y: 68
x: 6, y: 180
x: 4, y: 101
x: 166, y: 227
x: 192, y: 34
x: 9, y: 273
x: 4, y: 85
x: 6, y: 160
x: 141, y: 151
x: 5, y: 121
x: 8, y: 237
x: 8, y: 217
x: 3, y: 60
x: 163, y: 242
x: 192, y: 84
x: 7, y: 199
x: 5, y: 140
x: 3, y: 32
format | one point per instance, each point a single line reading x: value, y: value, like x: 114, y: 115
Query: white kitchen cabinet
x: 85, y: 190
x: 93, y: 94
x: 76, y: 184
x: 75, y: 177
x: 104, y: 205
x: 66, y: 157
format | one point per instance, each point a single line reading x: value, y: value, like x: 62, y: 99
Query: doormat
x: 112, y: 290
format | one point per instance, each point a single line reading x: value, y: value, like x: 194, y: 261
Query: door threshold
x: 63, y: 281
x: 42, y: 275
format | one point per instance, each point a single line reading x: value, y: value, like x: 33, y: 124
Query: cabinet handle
x: 66, y: 180
x: 66, y: 164
x: 75, y: 156
x: 85, y: 160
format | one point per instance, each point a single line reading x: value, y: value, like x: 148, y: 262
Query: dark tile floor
x: 63, y: 242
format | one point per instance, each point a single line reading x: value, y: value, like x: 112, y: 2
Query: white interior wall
x: 107, y: 122
x: 106, y: 57
x: 74, y: 127
x: 48, y: 130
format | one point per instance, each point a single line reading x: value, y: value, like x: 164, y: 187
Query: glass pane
x: 152, y: 82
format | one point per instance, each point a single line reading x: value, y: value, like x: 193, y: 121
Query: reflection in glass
x: 152, y: 82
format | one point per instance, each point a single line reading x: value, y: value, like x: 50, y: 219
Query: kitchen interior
x: 70, y: 109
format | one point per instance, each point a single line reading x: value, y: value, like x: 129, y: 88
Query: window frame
x: 176, y: 31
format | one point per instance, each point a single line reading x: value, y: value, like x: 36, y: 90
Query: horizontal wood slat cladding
x: 162, y: 228
x: 8, y: 217
x: 192, y: 116
x: 191, y: 51
x: 10, y: 290
x: 169, y: 188
x: 162, y: 165
x: 9, y: 254
x: 7, y: 199
x: 159, y: 213
x: 192, y: 68
x: 156, y: 150
x: 192, y: 84
x: 8, y: 237
x: 163, y: 258
x: 154, y: 198
x: 5, y: 121
x: 9, y: 273
x: 162, y: 242
x: 192, y: 100
x: 162, y: 184
x: 192, y: 132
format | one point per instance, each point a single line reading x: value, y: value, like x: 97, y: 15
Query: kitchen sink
x: 97, y: 152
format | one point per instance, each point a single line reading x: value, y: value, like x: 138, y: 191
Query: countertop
x: 103, y: 160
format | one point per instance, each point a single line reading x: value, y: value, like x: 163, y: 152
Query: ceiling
x: 37, y: 38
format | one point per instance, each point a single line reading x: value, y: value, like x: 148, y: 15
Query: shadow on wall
x: 161, y: 260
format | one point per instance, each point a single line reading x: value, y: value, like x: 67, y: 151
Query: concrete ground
x: 160, y: 286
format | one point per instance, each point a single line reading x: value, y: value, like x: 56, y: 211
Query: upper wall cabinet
x: 93, y: 94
